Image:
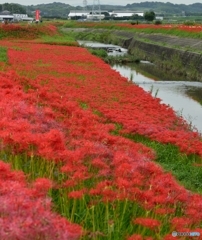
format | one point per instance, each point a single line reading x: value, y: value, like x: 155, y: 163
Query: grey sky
x: 90, y: 2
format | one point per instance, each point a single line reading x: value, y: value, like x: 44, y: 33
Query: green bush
x: 99, y: 52
x: 158, y: 22
x: 189, y: 23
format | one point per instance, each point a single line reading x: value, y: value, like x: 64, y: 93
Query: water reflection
x: 173, y: 93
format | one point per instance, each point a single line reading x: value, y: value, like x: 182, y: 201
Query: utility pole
x: 96, y: 7
x: 84, y: 5
x: 84, y: 8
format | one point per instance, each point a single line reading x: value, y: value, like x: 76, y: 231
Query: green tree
x: 136, y: 17
x: 149, y: 16
x: 13, y: 8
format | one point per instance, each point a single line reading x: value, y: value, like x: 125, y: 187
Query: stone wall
x: 181, y: 62
x: 171, y: 57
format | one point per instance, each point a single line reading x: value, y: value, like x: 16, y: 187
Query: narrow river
x: 173, y: 93
x: 177, y: 93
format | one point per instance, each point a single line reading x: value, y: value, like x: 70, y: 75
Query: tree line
x: 13, y: 8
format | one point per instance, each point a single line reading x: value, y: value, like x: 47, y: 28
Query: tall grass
x: 173, y: 29
x: 109, y: 219
x: 59, y: 39
x: 185, y: 168
x: 3, y: 54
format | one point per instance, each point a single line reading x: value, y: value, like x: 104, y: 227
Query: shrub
x: 189, y: 23
x: 158, y: 22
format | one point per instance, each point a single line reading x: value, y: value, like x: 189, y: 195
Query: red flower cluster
x: 117, y: 99
x: 26, y: 31
x: 42, y: 109
x: 195, y: 29
x: 147, y: 222
x: 25, y: 213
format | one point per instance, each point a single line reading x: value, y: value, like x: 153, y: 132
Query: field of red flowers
x: 182, y: 30
x: 59, y: 106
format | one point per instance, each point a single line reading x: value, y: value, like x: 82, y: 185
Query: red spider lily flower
x: 41, y: 187
x: 135, y: 237
x: 123, y: 183
x: 77, y: 194
x: 193, y: 209
x: 81, y: 174
x: 180, y: 222
x: 108, y: 195
x: 99, y: 163
x: 26, y: 217
x: 163, y: 211
x: 147, y: 222
x: 94, y: 192
x: 168, y: 237
x: 69, y: 183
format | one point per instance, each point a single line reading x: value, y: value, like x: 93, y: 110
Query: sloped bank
x: 173, y: 54
x: 179, y: 56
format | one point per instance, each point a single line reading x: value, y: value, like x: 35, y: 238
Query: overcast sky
x: 90, y: 2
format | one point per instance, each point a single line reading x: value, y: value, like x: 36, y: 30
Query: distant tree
x: 149, y: 16
x: 13, y: 8
x: 136, y: 17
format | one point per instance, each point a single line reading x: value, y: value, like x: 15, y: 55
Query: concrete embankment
x: 182, y: 56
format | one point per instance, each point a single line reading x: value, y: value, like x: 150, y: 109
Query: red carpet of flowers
x: 196, y: 28
x: 49, y: 97
x: 15, y: 31
x: 25, y: 213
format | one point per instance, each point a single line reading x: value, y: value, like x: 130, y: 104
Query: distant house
x: 95, y: 16
x: 122, y: 14
x: 78, y: 14
x: 5, y: 16
x: 159, y: 18
x: 22, y: 17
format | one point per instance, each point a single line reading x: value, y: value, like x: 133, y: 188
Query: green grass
x: 63, y: 39
x: 98, y: 52
x: 3, y: 54
x: 195, y: 94
x: 181, y: 166
x: 113, y: 26
x: 101, y: 219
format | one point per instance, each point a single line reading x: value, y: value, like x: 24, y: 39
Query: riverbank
x: 97, y: 150
x: 181, y: 56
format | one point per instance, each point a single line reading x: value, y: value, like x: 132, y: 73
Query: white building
x: 114, y: 14
x: 22, y: 17
x: 85, y: 14
x: 95, y: 16
x: 78, y: 13
x: 159, y: 18
x: 120, y: 14
x: 6, y: 16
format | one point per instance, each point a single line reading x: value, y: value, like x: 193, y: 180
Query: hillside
x: 57, y: 9
x: 61, y: 9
